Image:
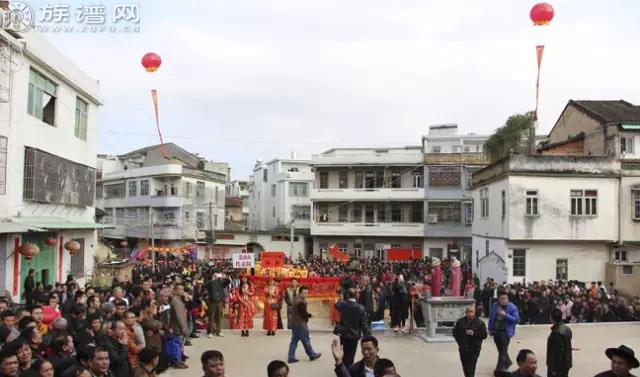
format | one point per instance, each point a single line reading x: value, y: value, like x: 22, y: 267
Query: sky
x: 243, y: 80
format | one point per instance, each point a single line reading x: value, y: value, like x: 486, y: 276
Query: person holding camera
x: 353, y: 325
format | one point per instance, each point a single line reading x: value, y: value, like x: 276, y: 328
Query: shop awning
x: 53, y: 225
x: 10, y: 227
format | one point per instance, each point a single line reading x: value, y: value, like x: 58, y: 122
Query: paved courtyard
x: 248, y: 357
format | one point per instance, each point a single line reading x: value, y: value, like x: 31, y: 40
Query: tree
x: 508, y: 138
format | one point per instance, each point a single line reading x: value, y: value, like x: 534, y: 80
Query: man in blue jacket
x: 502, y: 326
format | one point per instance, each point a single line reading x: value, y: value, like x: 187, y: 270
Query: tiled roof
x: 609, y: 111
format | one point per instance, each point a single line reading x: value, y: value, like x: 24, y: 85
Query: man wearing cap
x: 622, y: 361
x: 148, y: 362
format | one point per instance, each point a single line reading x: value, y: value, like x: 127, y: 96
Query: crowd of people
x: 140, y: 327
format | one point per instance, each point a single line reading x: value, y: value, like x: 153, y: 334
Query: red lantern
x: 51, y: 241
x: 541, y: 14
x: 151, y: 62
x: 29, y: 250
x: 72, y: 246
x: 124, y: 243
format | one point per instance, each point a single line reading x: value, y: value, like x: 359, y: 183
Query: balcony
x: 296, y: 176
x: 160, y: 232
x: 171, y: 201
x: 453, y: 229
x: 374, y: 194
x: 368, y: 229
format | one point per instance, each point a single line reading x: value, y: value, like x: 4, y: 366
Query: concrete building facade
x: 48, y: 139
x: 174, y: 198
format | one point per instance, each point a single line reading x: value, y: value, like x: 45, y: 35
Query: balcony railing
x: 368, y: 229
x: 364, y: 194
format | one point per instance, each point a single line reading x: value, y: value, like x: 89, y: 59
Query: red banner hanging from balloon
x: 539, y: 52
x: 154, y: 95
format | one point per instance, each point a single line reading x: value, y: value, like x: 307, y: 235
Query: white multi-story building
x: 368, y: 200
x: 545, y: 217
x: 48, y: 138
x: 449, y: 161
x: 177, y: 196
x: 278, y: 193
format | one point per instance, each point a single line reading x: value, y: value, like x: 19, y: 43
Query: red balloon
x: 541, y: 14
x: 151, y: 61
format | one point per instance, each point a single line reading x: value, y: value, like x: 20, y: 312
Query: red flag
x: 539, y: 52
x: 154, y: 95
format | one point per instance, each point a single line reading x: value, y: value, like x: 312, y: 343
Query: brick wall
x: 573, y: 148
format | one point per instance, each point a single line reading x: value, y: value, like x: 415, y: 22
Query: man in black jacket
x: 559, y: 359
x: 117, y: 346
x: 364, y: 367
x: 366, y: 297
x: 353, y: 325
x: 216, y: 292
x: 469, y: 332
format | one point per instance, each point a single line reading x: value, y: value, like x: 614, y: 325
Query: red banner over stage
x: 318, y: 287
x: 404, y: 254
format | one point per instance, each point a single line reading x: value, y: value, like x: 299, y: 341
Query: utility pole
x: 151, y: 236
x: 212, y: 239
x: 292, y: 225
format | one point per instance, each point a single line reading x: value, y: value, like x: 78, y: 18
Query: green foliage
x: 508, y: 138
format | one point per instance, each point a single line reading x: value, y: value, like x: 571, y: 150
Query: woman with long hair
x: 271, y: 308
x: 246, y: 306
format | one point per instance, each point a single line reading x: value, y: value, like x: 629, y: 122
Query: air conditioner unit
x: 432, y: 218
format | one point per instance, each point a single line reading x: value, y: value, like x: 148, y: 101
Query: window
x: 486, y: 247
x: 187, y: 189
x: 416, y: 179
x: 416, y: 213
x: 273, y: 190
x: 81, y: 119
x: 301, y: 212
x: 396, y: 213
x: 396, y: 179
x: 187, y: 217
x: 200, y: 220
x: 343, y: 213
x: 265, y: 175
x: 132, y: 215
x: 620, y: 256
x: 531, y: 202
x: 273, y: 211
x: 370, y: 179
x: 298, y: 189
x: 584, y: 202
x: 199, y: 189
x: 626, y: 145
x: 41, y: 102
x: 484, y: 203
x: 562, y: 269
x: 3, y: 165
x: 114, y: 191
x: 174, y: 189
x: 382, y: 213
x: 468, y: 212
x: 455, y: 149
x: 359, y: 179
x: 519, y: 262
x: 133, y: 188
x: 357, y: 213
x: 215, y: 220
x: 627, y: 269
x: 444, y: 176
x: 343, y: 180
x: 323, y: 213
x: 369, y: 212
x: 446, y: 212
x: 119, y: 215
x: 435, y: 252
x: 324, y: 180
x: 635, y: 195
x: 504, y: 204
x: 435, y: 149
x: 357, y: 249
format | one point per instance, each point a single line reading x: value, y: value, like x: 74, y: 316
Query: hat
x: 147, y: 354
x: 624, y: 352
